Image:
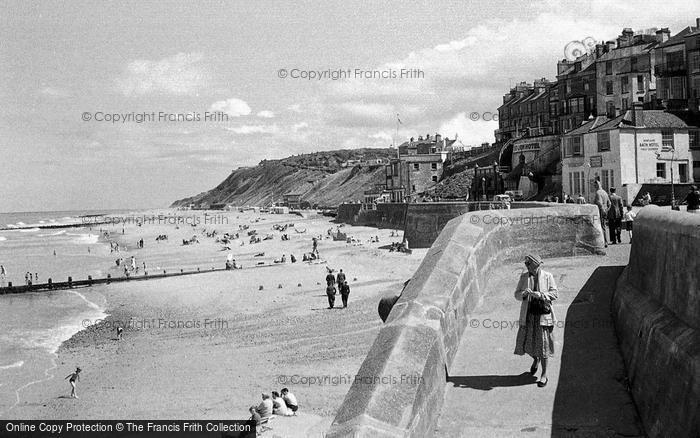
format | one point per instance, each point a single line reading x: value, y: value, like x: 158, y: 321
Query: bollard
x: 197, y: 268
x: 109, y: 278
x: 50, y: 283
x: 70, y: 281
x: 164, y: 272
x: 9, y: 284
x: 89, y: 280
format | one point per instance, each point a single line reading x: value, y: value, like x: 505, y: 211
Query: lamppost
x: 483, y: 186
x: 588, y: 181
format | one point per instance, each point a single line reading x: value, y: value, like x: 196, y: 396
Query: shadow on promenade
x: 488, y: 382
x: 592, y: 397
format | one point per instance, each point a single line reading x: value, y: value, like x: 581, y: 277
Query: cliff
x: 320, y: 178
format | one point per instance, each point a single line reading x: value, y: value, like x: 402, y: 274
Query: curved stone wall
x: 656, y: 308
x: 401, y: 382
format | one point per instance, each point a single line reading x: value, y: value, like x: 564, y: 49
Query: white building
x: 637, y: 147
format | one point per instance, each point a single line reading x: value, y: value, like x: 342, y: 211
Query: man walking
x: 340, y: 278
x: 603, y: 202
x: 615, y: 216
x: 344, y: 292
x: 330, y: 292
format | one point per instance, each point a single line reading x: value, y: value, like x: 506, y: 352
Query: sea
x: 34, y: 325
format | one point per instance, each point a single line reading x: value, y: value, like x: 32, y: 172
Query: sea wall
x: 656, y: 309
x: 401, y: 383
x: 421, y: 221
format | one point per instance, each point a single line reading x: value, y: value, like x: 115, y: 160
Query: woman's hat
x: 78, y: 369
x: 534, y: 259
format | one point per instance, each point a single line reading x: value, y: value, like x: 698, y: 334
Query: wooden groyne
x: 72, y: 284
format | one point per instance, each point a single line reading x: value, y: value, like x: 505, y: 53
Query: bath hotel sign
x: 526, y: 147
x: 648, y: 143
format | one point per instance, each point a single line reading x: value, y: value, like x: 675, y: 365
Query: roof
x: 654, y: 119
x: 678, y: 38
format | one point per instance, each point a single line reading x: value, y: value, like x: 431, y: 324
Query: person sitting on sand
x: 279, y: 407
x: 290, y: 400
x: 292, y: 258
x: 74, y: 376
x: 254, y: 416
x: 120, y: 332
x: 264, y: 409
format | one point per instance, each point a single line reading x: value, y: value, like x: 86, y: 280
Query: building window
x: 624, y: 84
x: 607, y: 179
x: 633, y: 63
x: 625, y: 104
x: 416, y: 166
x: 586, y: 86
x: 677, y: 91
x: 603, y: 141
x: 694, y: 139
x: 694, y: 61
x: 640, y: 84
x: 696, y: 170
x: 683, y: 172
x: 608, y: 87
x: 413, y: 188
x: 661, y: 170
x: 433, y: 166
x: 576, y: 146
x: 434, y: 178
x: 667, y: 139
x: 610, y: 109
x: 608, y: 67
x: 568, y: 86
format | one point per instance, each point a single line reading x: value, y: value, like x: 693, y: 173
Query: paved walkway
x: 490, y: 392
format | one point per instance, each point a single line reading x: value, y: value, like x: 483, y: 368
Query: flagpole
x: 397, y: 134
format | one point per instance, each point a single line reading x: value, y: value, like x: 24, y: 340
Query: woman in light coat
x: 535, y: 331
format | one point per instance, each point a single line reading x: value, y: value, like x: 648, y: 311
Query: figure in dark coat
x: 615, y: 216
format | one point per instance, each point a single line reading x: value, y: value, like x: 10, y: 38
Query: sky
x: 259, y: 80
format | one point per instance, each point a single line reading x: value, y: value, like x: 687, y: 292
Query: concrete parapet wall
x: 656, y: 309
x: 400, y: 388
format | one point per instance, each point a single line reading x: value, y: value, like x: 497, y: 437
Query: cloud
x: 55, y: 92
x: 468, y: 131
x: 254, y: 129
x: 295, y: 108
x: 266, y: 114
x: 233, y: 107
x: 299, y: 126
x: 181, y: 74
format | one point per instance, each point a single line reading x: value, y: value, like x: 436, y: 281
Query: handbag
x: 538, y: 306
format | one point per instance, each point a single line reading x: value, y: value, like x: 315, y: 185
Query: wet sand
x: 206, y: 346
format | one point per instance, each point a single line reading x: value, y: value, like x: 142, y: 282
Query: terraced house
x: 635, y: 149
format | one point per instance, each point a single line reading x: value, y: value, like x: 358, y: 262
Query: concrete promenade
x: 489, y: 390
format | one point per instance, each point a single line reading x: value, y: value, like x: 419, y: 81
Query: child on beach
x: 120, y: 333
x: 74, y: 376
x: 629, y: 220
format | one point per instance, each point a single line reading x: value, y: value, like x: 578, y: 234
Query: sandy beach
x: 206, y: 346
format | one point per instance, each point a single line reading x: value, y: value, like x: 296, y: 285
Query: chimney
x: 599, y: 50
x: 438, y: 138
x: 610, y: 45
x: 697, y: 23
x: 662, y: 35
x: 638, y: 114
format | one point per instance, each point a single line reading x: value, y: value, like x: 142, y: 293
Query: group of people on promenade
x: 282, y: 403
x: 343, y: 288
